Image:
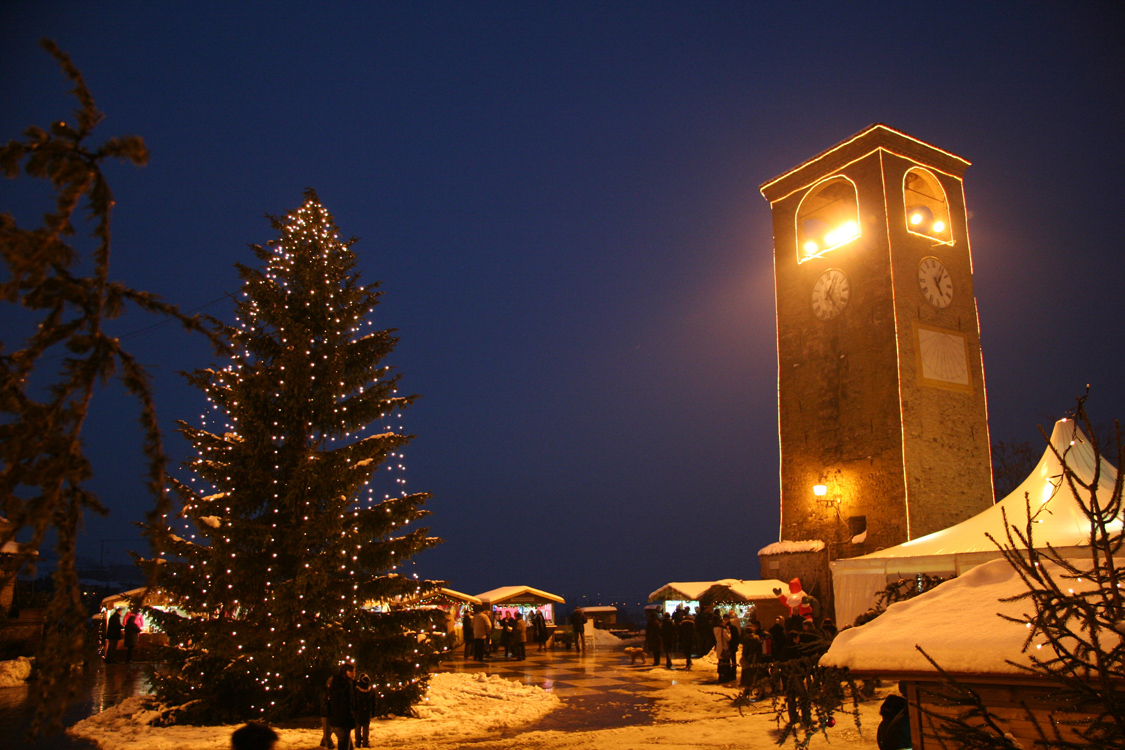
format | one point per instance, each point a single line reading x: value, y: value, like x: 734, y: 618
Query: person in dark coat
x: 668, y: 636
x: 467, y: 631
x: 578, y: 623
x: 653, y: 638
x: 112, y: 634
x: 894, y: 727
x: 687, y: 636
x: 539, y: 624
x: 132, y: 634
x: 253, y: 736
x: 364, y: 705
x: 778, y: 640
x: 341, y: 706
x: 326, y: 738
x: 705, y: 623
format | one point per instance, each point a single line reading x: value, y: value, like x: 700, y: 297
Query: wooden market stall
x: 752, y: 600
x: 525, y: 600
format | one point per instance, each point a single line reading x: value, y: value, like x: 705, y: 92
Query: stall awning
x: 742, y: 591
x: 451, y: 594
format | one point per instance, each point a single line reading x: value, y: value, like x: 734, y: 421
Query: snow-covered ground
x: 15, y: 672
x: 692, y: 712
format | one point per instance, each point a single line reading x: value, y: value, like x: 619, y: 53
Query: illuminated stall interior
x: 686, y: 594
x: 749, y: 598
x: 752, y: 600
x: 508, y: 600
x: 127, y: 600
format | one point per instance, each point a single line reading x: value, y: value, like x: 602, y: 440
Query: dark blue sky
x: 561, y: 202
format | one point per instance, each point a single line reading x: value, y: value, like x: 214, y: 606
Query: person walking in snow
x: 653, y: 637
x: 668, y: 636
x: 686, y: 636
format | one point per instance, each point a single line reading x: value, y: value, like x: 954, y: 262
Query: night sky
x: 561, y: 201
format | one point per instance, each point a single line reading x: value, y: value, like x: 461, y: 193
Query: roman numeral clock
x: 881, y: 399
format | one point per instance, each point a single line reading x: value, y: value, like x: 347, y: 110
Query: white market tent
x: 960, y: 624
x: 1059, y: 522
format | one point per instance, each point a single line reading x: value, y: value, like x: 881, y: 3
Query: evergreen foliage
x: 43, y: 467
x: 285, y: 542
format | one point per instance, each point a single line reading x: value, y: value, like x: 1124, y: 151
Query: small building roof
x: 742, y: 591
x: 690, y: 591
x: 687, y: 591
x: 451, y: 594
x: 517, y: 595
x: 125, y: 598
x: 597, y: 609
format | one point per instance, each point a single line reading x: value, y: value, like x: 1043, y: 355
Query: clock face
x: 934, y: 280
x: 830, y: 294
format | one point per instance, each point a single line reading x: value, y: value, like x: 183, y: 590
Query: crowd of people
x: 115, y: 628
x: 481, y: 643
x: 735, y: 644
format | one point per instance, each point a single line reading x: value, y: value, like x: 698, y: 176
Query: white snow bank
x: 607, y: 640
x: 456, y: 706
x: 956, y: 623
x: 15, y: 672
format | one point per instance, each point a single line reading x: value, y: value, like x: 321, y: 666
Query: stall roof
x: 126, y: 598
x: 455, y: 595
x: 597, y: 609
x: 506, y: 593
x: 689, y: 591
x: 743, y: 591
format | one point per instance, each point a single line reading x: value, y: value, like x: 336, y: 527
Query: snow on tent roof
x: 1060, y: 523
x: 505, y: 593
x: 958, y: 624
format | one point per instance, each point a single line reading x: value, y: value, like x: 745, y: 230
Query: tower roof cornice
x: 871, y: 138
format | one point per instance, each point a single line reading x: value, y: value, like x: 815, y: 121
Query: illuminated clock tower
x: 881, y: 399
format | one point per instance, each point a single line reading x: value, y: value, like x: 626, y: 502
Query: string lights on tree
x: 286, y: 563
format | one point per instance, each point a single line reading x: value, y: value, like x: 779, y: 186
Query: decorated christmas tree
x: 288, y: 563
